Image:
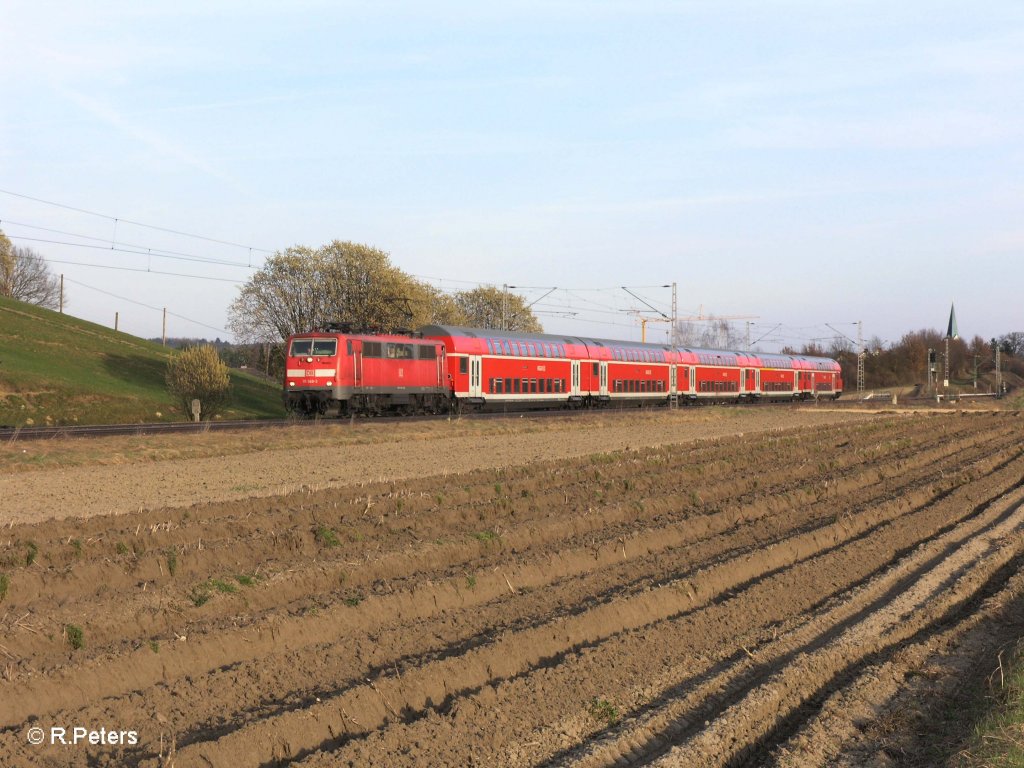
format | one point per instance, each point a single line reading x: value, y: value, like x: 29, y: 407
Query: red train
x: 441, y: 368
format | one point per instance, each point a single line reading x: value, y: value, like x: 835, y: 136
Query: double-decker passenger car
x: 491, y: 368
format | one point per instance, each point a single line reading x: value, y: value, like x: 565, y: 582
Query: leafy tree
x: 24, y: 276
x: 199, y: 373
x: 305, y: 288
x: 488, y: 307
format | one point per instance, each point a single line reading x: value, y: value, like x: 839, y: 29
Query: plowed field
x: 727, y: 602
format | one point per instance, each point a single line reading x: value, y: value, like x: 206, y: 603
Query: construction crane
x: 645, y: 320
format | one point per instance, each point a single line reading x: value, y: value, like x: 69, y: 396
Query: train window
x: 400, y: 351
x: 596, y: 368
x: 463, y: 365
x: 515, y: 386
x: 426, y: 351
x: 371, y: 349
x: 348, y: 345
x: 549, y: 386
x: 508, y: 386
x: 490, y: 347
x: 533, y: 386
x: 526, y: 386
x: 301, y: 347
x: 490, y: 385
x: 498, y: 388
x: 506, y: 347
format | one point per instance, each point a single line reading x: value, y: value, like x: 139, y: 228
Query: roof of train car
x: 774, y: 360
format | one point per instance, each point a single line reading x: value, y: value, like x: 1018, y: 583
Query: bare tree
x: 24, y: 276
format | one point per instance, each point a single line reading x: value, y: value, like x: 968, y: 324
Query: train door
x: 672, y: 373
x: 693, y: 378
x: 574, y: 384
x: 357, y: 366
x: 749, y: 380
x: 475, y: 390
x: 757, y: 380
x: 603, y: 378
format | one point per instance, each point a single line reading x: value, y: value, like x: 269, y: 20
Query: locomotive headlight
x: 309, y: 359
x: 330, y: 383
x: 291, y: 383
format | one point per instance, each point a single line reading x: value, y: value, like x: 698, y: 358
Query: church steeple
x: 951, y: 331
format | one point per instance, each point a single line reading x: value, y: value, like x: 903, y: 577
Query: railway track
x: 13, y: 434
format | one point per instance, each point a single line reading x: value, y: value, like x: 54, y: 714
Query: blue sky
x: 803, y: 162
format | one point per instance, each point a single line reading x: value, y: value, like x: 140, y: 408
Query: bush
x: 199, y: 373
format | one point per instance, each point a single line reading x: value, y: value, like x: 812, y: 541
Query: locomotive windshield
x: 325, y: 347
x: 314, y: 347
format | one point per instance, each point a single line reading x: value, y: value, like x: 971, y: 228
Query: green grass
x: 201, y: 593
x: 486, y: 536
x: 604, y: 711
x: 58, y: 370
x: 325, y: 537
x: 996, y: 741
x: 75, y: 636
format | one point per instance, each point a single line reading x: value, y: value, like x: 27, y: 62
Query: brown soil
x: 757, y: 598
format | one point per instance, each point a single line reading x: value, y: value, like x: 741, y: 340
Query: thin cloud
x: 158, y: 144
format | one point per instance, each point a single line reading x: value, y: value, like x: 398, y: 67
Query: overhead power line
x: 121, y: 220
x: 144, y: 271
x: 122, y: 246
x: 147, y: 306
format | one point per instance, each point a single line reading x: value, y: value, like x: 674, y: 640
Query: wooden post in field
x: 115, y: 320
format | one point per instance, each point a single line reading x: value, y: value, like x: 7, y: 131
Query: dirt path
x: 719, y: 603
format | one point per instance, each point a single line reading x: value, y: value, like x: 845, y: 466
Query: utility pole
x: 748, y: 336
x: 861, y: 354
x: 504, y: 307
x: 976, y: 372
x: 115, y: 320
x: 999, y: 373
x: 674, y: 337
x: 945, y: 375
x: 62, y: 294
x: 165, y: 327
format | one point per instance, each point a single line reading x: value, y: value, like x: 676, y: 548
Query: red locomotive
x: 445, y: 367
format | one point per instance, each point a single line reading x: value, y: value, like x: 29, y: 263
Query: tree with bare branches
x: 24, y: 276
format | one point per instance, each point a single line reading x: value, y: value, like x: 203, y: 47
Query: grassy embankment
x: 59, y: 370
x: 997, y: 740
